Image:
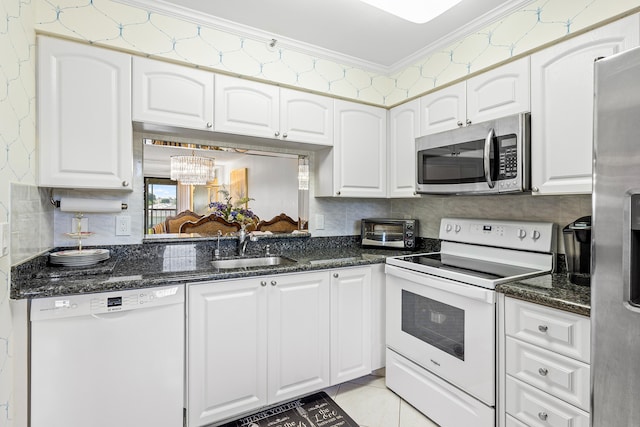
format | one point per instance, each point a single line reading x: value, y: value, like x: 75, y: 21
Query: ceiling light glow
x: 417, y: 11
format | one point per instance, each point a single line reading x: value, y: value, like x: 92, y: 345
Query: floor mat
x: 316, y: 410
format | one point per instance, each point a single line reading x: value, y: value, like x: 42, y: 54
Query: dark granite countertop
x: 160, y: 263
x: 552, y: 290
x: 150, y: 265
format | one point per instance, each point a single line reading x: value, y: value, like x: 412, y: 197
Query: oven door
x: 444, y: 326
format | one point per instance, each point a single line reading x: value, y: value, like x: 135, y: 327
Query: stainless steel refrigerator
x: 615, y: 268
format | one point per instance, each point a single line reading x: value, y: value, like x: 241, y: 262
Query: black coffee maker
x: 577, y: 248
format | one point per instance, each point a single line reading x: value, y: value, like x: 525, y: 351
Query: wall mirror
x: 268, y: 191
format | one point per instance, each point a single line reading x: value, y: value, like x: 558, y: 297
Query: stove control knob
x: 535, y: 235
x: 458, y: 228
x: 522, y: 233
x: 448, y: 228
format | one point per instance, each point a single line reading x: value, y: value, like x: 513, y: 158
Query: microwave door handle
x: 487, y: 160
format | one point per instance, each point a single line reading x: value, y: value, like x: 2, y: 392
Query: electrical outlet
x: 123, y: 225
x: 319, y: 222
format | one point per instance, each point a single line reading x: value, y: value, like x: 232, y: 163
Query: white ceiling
x: 347, y: 28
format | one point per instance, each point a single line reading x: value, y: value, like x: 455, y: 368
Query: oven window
x: 455, y: 164
x: 433, y: 322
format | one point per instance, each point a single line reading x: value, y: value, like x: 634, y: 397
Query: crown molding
x: 240, y: 30
x: 477, y: 24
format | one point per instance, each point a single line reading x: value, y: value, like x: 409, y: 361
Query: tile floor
x: 371, y: 404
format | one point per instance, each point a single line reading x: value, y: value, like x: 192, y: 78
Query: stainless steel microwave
x: 389, y: 233
x: 490, y: 157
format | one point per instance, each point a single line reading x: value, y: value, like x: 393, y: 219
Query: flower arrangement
x: 231, y: 212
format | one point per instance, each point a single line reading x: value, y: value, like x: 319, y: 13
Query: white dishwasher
x: 108, y: 359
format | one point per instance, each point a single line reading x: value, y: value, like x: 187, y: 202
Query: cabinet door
x: 500, y: 92
x: 227, y: 349
x: 298, y: 354
x: 84, y: 116
x: 170, y: 94
x: 562, y: 107
x: 306, y: 117
x: 246, y: 107
x: 360, y: 150
x: 404, y: 127
x: 444, y: 109
x: 350, y: 324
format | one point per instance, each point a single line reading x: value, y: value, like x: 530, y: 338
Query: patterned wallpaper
x: 121, y: 26
x: 17, y: 161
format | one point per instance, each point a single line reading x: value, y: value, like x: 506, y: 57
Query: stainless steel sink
x: 228, y: 264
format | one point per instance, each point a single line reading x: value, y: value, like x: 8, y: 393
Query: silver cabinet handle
x: 263, y: 283
x: 543, y: 416
x: 337, y: 193
x: 273, y: 283
x: 125, y: 183
x: 277, y: 133
x: 459, y: 123
x: 284, y: 135
x: 468, y: 122
x: 487, y: 160
x: 209, y: 125
x: 543, y: 371
x: 336, y: 275
x: 535, y: 189
x: 543, y: 328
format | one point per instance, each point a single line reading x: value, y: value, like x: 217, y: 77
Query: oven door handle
x: 447, y: 285
x: 487, y: 160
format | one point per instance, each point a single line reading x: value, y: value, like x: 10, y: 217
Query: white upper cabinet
x: 257, y: 109
x: 357, y: 164
x: 500, y: 92
x: 246, y: 107
x: 170, y: 94
x: 404, y: 127
x: 444, y: 109
x: 306, y: 117
x: 562, y: 107
x: 84, y: 116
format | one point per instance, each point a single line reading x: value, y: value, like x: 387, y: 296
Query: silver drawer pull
x: 543, y: 371
x: 543, y: 416
x: 543, y: 328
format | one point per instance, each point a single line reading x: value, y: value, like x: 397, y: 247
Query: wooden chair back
x: 173, y: 223
x: 209, y: 225
x: 278, y: 224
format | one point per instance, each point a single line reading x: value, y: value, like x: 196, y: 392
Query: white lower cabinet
x: 350, y: 324
x: 545, y: 374
x: 261, y: 340
x: 255, y: 341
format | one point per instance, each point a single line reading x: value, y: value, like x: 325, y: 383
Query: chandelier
x: 192, y: 170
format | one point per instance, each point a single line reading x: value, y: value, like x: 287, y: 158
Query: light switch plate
x: 319, y: 222
x: 4, y: 239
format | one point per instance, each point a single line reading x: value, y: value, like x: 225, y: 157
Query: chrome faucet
x: 217, y: 251
x: 243, y: 241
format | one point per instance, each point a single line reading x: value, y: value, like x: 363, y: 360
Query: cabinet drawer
x: 556, y: 330
x: 512, y: 422
x: 563, y: 377
x: 538, y: 409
